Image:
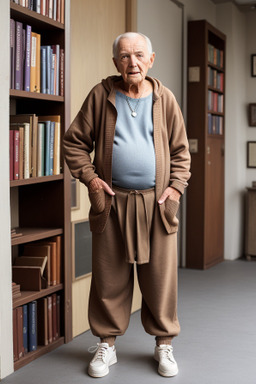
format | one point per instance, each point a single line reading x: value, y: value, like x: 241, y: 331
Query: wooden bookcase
x: 206, y: 132
x: 250, y: 224
x: 40, y: 206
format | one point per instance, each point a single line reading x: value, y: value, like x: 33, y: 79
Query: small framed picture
x: 251, y: 154
x: 252, y: 115
x: 253, y: 65
x: 81, y: 249
x: 75, y: 195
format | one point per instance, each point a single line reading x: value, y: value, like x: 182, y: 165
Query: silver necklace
x: 133, y: 111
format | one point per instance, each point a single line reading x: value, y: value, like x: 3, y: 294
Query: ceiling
x: 243, y: 5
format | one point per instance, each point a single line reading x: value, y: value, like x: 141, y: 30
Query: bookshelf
x: 40, y: 205
x: 206, y: 133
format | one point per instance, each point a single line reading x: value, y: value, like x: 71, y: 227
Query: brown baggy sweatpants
x: 134, y: 232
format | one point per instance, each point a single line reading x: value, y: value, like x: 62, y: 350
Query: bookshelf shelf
x: 34, y: 18
x: 216, y: 113
x: 215, y: 90
x: 219, y: 69
x: 41, y: 350
x: 217, y: 137
x: 34, y: 234
x: 35, y: 180
x: 40, y: 206
x: 205, y: 195
x: 27, y: 296
x: 14, y: 93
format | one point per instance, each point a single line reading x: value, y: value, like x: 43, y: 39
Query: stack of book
x: 215, y: 124
x: 33, y: 67
x: 54, y: 9
x: 215, y: 56
x: 15, y: 290
x: 48, y: 324
x: 24, y: 329
x: 215, y: 79
x: 15, y: 233
x: 35, y: 323
x: 215, y: 102
x: 34, y: 146
x: 39, y: 266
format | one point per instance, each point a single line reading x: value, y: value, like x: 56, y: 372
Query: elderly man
x: 140, y: 169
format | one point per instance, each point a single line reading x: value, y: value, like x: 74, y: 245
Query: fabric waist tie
x: 135, y: 211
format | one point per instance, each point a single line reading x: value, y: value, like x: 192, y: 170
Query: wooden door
x: 214, y: 201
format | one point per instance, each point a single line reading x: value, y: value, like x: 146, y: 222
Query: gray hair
x: 131, y: 35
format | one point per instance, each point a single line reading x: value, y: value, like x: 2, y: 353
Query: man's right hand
x: 97, y: 183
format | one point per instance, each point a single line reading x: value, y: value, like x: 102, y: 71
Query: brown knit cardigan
x: 94, y: 128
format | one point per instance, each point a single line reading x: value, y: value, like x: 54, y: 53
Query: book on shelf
x: 18, y: 74
x: 32, y: 326
x: 12, y: 54
x: 29, y: 124
x: 54, y: 9
x: 11, y: 146
x: 49, y: 306
x: 215, y: 56
x: 15, y: 334
x: 215, y: 102
x: 29, y: 277
x: 25, y: 328
x: 34, y: 146
x: 30, y: 261
x: 42, y: 325
x: 36, y: 323
x: 52, y: 143
x: 215, y: 79
x: 35, y: 63
x: 48, y: 319
x: 19, y: 317
x: 34, y: 67
x: 52, y: 249
x: 27, y: 58
x: 62, y: 71
x: 215, y: 124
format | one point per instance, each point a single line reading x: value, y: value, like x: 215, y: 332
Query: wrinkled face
x: 133, y: 59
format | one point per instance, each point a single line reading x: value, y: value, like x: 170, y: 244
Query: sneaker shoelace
x: 100, y: 352
x: 166, y: 353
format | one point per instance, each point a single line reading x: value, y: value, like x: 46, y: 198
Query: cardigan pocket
x: 170, y: 212
x: 97, y: 200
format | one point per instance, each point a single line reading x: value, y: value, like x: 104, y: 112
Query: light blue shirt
x: 133, y: 164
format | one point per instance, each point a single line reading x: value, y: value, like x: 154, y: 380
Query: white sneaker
x: 167, y: 364
x: 103, y: 358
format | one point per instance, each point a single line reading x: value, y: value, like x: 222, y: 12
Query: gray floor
x: 217, y: 312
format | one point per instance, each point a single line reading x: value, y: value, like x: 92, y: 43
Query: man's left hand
x: 170, y: 192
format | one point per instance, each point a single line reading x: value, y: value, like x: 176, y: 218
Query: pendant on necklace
x: 134, y: 114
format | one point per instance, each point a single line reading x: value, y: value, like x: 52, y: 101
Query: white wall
x: 251, y: 82
x: 6, y: 346
x: 240, y: 29
x: 233, y: 23
x: 161, y: 21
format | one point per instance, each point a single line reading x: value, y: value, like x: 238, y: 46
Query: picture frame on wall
x: 75, y: 195
x: 251, y: 154
x: 81, y: 249
x: 252, y: 115
x: 253, y: 65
